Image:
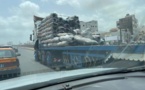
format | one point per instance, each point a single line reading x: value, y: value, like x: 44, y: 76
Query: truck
x: 58, y: 46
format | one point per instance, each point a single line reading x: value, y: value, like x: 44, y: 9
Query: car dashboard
x: 127, y: 81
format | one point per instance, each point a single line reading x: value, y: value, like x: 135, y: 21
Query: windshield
x: 53, y: 36
x: 6, y: 53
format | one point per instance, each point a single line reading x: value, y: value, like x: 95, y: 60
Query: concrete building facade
x: 91, y: 25
x: 128, y: 28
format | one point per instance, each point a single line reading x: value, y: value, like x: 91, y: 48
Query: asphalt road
x: 27, y: 63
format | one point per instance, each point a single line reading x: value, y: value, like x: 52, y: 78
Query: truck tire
x: 48, y: 59
x: 39, y: 56
x: 43, y: 57
x: 57, y: 68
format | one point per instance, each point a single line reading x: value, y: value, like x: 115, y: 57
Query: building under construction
x: 128, y: 28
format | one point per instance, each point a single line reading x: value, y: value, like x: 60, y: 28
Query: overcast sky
x: 16, y: 16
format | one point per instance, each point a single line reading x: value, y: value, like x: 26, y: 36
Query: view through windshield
x: 62, y: 35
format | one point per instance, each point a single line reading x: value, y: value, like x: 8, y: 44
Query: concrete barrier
x: 28, y: 48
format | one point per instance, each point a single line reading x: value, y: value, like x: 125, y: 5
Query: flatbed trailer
x: 73, y: 57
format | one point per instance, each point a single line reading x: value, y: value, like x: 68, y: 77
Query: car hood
x: 8, y: 59
x: 37, y: 80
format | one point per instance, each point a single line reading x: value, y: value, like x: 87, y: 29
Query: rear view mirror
x: 18, y: 54
x: 31, y: 37
x: 16, y: 50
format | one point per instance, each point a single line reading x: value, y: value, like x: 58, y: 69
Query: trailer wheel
x: 87, y: 61
x: 39, y: 56
x: 66, y: 62
x: 48, y: 59
x: 43, y: 57
x: 57, y: 68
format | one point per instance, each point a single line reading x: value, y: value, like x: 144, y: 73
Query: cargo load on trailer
x: 56, y: 31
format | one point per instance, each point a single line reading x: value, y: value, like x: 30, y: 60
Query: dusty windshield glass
x: 63, y: 35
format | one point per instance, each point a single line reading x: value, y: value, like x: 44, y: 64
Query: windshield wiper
x: 137, y: 68
x: 127, y: 70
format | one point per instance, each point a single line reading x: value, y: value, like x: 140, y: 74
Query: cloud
x: 28, y: 8
x: 73, y: 3
x: 18, y: 27
x: 44, y: 0
x: 107, y: 12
